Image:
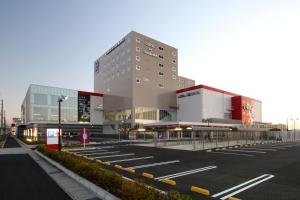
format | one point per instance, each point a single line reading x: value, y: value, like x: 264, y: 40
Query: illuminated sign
x: 149, y: 44
x: 188, y: 94
x: 247, y: 107
x: 52, y: 137
x: 84, y: 106
x: 150, y: 53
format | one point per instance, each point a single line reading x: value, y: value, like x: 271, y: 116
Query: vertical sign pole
x: 84, y: 136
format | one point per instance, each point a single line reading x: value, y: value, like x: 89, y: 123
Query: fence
x: 201, y: 140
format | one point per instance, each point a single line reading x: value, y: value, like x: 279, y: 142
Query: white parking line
x: 240, y: 154
x: 90, y: 152
x: 245, y: 151
x: 101, y: 153
x: 258, y: 149
x: 105, y: 147
x: 265, y: 178
x: 274, y: 147
x: 130, y: 159
x: 186, y: 173
x: 81, y: 149
x: 128, y: 154
x: 154, y: 164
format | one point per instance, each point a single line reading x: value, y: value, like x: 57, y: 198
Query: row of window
x: 138, y: 58
x: 138, y: 81
x: 138, y: 40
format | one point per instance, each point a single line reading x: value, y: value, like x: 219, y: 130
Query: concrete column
x: 168, y: 134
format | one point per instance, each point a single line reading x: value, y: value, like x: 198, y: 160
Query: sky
x: 247, y: 47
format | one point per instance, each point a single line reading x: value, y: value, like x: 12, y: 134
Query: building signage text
x: 115, y: 46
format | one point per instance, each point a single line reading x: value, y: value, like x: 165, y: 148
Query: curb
x: 168, y: 181
x: 101, y: 193
x: 130, y: 170
x: 200, y: 191
x: 233, y: 198
x: 147, y: 175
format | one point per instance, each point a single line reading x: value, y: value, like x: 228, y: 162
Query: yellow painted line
x: 168, y: 181
x: 233, y: 198
x: 130, y: 170
x: 118, y: 166
x: 217, y: 149
x: 200, y: 190
x: 147, y: 175
x: 106, y: 163
x: 98, y: 161
x: 224, y: 148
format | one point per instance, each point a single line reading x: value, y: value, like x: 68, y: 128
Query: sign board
x: 84, y: 106
x: 84, y: 136
x: 160, y: 135
x: 52, y: 138
x: 132, y: 136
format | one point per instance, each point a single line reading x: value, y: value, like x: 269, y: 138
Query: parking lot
x: 261, y: 171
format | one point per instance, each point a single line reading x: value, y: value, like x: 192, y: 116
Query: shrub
x: 109, y: 180
x: 31, y: 142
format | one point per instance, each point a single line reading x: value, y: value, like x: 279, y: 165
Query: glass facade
x: 122, y: 115
x: 44, y: 104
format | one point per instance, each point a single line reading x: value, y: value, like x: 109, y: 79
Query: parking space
x: 253, y: 150
x: 226, y: 172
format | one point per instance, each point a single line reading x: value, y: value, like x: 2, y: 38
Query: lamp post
x: 60, y: 99
x: 287, y: 128
x: 295, y: 127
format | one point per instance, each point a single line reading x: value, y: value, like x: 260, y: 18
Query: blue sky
x: 246, y: 47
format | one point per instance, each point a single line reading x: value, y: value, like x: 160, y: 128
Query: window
x: 138, y: 80
x: 161, y: 48
x: 40, y: 99
x: 138, y: 58
x: 161, y: 73
x: 137, y: 49
x: 174, y: 61
x: 161, y: 85
x: 174, y: 76
x: 138, y: 40
x: 161, y: 56
x: 160, y: 65
x: 138, y: 67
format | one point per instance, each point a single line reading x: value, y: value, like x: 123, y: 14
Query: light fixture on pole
x: 60, y: 99
x: 294, y: 127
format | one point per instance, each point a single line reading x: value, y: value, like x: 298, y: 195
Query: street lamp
x: 294, y: 127
x: 60, y: 99
x: 287, y: 128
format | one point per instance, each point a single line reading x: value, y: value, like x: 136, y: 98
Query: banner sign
x: 84, y: 136
x: 84, y: 106
x: 160, y: 135
x: 52, y: 138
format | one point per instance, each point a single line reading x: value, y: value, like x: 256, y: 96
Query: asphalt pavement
x: 11, y: 143
x: 264, y: 171
x: 22, y: 178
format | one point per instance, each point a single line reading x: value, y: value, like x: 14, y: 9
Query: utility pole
x: 4, y: 123
x: 1, y: 117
